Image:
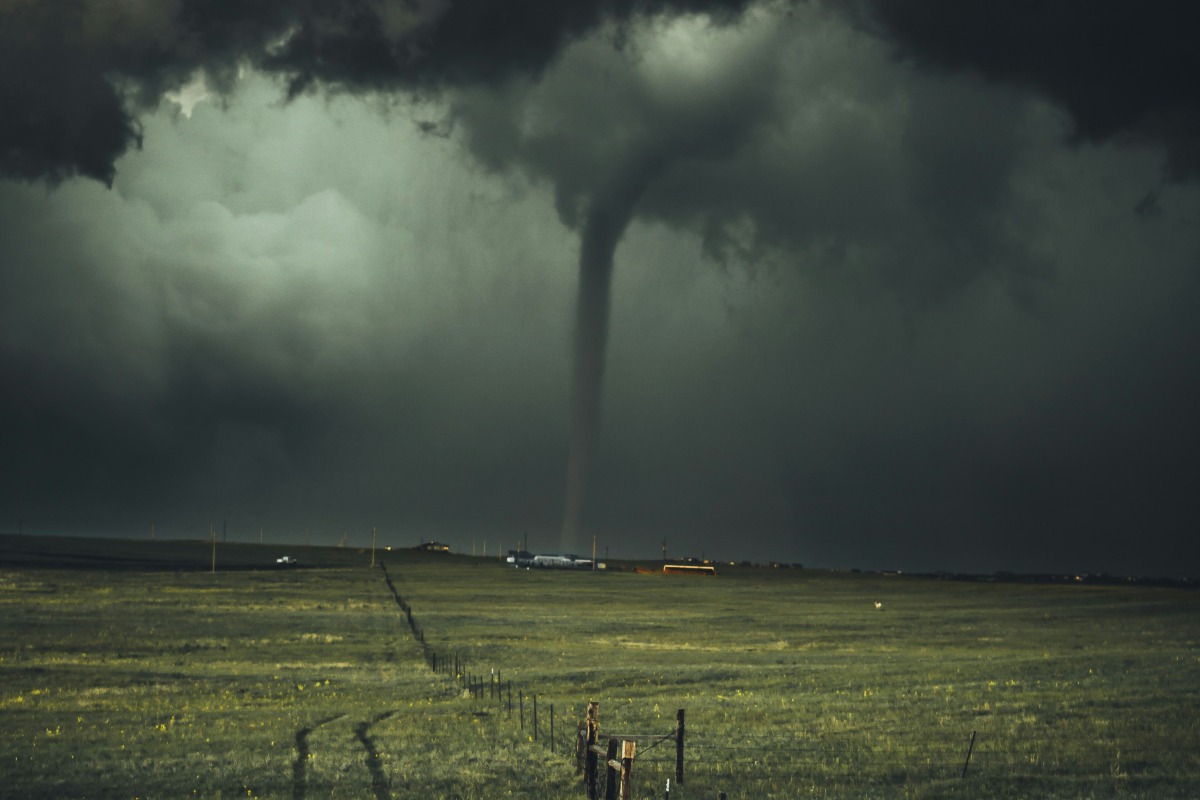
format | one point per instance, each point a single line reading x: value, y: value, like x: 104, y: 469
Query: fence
x: 618, y: 769
x: 611, y: 776
x: 841, y: 761
x: 454, y: 665
x: 621, y: 749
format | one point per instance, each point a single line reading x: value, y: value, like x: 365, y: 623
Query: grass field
x: 120, y: 677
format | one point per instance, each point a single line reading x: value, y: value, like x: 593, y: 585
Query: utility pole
x: 212, y: 535
x: 372, y: 546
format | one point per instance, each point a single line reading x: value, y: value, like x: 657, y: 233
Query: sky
x: 886, y: 285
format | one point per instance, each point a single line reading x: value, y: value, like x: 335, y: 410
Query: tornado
x: 603, y: 228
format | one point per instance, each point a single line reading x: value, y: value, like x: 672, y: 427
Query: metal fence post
x: 679, y: 727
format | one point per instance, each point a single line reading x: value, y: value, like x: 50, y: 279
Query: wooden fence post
x: 611, y: 774
x: 627, y: 752
x: 679, y: 726
x: 521, y: 703
x: 552, y: 727
x: 619, y: 775
x: 970, y: 748
x: 593, y: 729
x: 535, y: 729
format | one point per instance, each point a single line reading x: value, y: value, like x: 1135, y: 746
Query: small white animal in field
x: 878, y: 604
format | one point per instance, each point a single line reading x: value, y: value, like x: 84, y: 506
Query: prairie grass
x: 795, y: 684
x: 307, y: 683
x: 248, y: 684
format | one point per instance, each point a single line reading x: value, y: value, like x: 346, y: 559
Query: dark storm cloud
x: 223, y: 334
x: 788, y: 139
x: 860, y: 313
x: 1120, y: 69
x: 130, y: 373
x: 854, y: 178
x: 75, y: 75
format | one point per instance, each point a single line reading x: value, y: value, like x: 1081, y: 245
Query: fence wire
x: 796, y: 761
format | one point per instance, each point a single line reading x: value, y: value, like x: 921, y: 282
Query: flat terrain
x: 131, y: 670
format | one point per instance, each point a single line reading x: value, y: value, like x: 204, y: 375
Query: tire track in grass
x: 379, y: 781
x: 299, y: 786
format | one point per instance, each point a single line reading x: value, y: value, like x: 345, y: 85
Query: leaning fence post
x: 679, y: 726
x: 970, y: 747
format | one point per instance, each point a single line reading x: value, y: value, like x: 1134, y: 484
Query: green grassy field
x: 120, y: 677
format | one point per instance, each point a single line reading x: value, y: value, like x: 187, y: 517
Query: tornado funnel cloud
x: 601, y: 233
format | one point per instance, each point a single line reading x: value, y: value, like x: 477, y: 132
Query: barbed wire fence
x: 856, y: 758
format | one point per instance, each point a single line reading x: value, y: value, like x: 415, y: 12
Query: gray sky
x: 899, y: 287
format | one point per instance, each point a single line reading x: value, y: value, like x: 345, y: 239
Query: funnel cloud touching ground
x: 874, y: 301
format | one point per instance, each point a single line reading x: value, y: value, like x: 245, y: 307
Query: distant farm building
x: 434, y: 547
x: 521, y: 558
x: 556, y: 561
